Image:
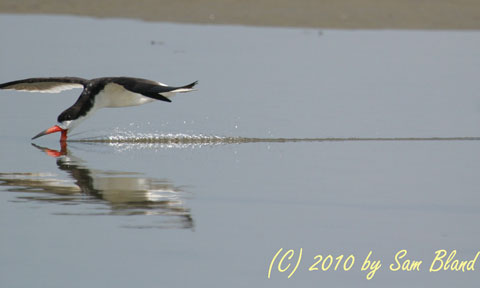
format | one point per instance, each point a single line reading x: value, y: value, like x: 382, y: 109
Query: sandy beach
x: 343, y: 14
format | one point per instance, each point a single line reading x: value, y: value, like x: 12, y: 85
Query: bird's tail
x: 169, y: 94
x: 186, y: 88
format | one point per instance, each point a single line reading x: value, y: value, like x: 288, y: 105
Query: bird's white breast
x: 114, y: 95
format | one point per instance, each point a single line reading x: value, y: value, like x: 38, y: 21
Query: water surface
x: 337, y: 142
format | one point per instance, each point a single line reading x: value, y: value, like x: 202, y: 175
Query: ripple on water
x: 126, y: 139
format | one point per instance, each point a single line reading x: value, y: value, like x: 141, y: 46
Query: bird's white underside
x: 114, y: 95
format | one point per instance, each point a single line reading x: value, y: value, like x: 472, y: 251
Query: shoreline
x: 327, y: 14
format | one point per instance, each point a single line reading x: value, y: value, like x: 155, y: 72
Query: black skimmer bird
x: 97, y: 93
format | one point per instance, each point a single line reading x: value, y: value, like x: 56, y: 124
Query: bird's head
x: 60, y: 127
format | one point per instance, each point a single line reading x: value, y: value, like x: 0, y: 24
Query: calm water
x: 204, y: 191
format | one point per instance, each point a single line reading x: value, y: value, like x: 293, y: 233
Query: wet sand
x: 341, y: 14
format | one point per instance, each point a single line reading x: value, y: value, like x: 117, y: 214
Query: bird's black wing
x: 45, y: 85
x: 150, y: 88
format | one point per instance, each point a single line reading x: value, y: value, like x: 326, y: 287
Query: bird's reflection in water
x: 122, y: 193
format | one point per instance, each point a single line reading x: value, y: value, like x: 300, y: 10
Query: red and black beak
x: 53, y: 129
